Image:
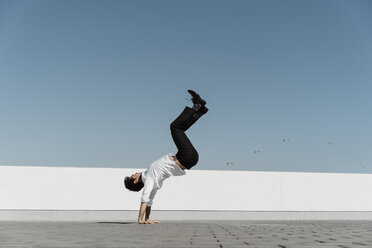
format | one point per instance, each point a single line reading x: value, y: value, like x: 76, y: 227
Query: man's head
x: 134, y: 182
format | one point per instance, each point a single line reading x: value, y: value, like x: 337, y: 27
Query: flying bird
x: 229, y: 163
x: 330, y: 143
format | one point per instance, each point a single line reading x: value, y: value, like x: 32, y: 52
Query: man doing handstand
x: 152, y: 179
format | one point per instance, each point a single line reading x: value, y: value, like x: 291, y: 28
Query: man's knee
x: 174, y: 125
x: 192, y: 160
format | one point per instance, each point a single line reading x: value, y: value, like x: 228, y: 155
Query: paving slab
x: 178, y: 234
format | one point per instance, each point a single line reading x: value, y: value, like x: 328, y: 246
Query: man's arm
x: 142, y: 212
x: 148, y: 211
x: 147, y: 218
x: 144, y: 208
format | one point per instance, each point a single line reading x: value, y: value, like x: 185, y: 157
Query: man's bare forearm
x: 142, y: 212
x: 145, y: 209
x: 148, y: 211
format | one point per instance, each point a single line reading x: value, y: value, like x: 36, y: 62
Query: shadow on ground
x: 117, y: 223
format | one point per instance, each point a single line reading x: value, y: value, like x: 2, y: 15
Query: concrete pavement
x: 177, y: 234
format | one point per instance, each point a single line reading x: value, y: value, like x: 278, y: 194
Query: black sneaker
x: 196, y: 99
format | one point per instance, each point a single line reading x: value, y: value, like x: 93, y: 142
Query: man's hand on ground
x: 148, y: 222
x: 152, y: 221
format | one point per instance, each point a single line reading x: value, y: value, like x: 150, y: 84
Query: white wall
x: 54, y: 188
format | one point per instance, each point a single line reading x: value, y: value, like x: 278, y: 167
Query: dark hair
x: 129, y: 184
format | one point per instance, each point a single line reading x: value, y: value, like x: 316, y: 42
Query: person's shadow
x: 117, y: 223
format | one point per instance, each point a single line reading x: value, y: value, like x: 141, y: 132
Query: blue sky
x: 97, y: 83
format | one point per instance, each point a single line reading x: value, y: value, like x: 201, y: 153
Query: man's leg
x: 187, y: 154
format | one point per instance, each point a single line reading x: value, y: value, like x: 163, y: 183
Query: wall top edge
x: 193, y: 170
